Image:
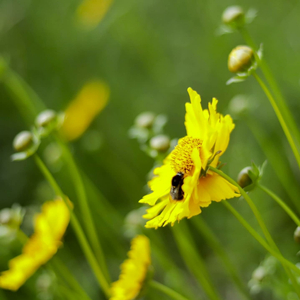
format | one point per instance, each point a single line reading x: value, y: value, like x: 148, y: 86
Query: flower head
x: 134, y: 271
x: 184, y: 183
x: 49, y: 227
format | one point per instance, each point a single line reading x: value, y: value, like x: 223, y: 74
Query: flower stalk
x: 193, y: 259
x: 84, y: 206
x: 262, y: 226
x: 215, y: 244
x: 166, y: 290
x: 281, y: 203
x: 77, y: 228
x: 280, y: 118
x: 272, y: 83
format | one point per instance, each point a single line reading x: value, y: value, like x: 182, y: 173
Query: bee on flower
x: 184, y: 183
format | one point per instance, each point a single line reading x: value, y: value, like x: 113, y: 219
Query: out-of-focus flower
x: 91, y: 12
x: 134, y: 271
x: 184, y: 183
x: 84, y: 108
x: 49, y: 228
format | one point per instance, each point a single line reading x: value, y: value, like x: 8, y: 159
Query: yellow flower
x: 184, y: 184
x: 91, y: 12
x: 84, y: 108
x: 133, y: 270
x: 49, y: 227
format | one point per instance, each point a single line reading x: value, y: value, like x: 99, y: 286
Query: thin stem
x: 60, y: 268
x: 280, y: 118
x: 259, y: 238
x: 274, y: 87
x: 27, y: 102
x: 193, y: 259
x: 84, y: 206
x: 77, y: 228
x: 280, y: 165
x: 215, y: 244
x: 261, y: 224
x: 281, y: 203
x: 166, y: 290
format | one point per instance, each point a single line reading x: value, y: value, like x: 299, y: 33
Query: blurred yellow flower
x: 49, y: 227
x: 133, y: 270
x: 91, y: 12
x: 184, y: 184
x: 84, y: 108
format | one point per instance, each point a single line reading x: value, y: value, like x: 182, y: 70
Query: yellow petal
x: 84, y: 108
x: 160, y: 185
x: 218, y: 188
x: 49, y: 227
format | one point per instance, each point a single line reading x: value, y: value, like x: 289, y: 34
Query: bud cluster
x: 26, y: 143
x: 148, y: 130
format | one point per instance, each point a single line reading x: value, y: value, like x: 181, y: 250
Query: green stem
x: 193, y: 259
x: 27, y: 102
x: 214, y: 243
x: 259, y: 238
x: 77, y: 228
x: 280, y: 165
x: 280, y: 118
x: 261, y: 224
x: 274, y: 87
x: 166, y: 290
x: 84, y: 206
x: 61, y: 269
x: 281, y: 203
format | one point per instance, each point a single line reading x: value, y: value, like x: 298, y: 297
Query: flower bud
x: 45, y: 118
x: 234, y: 16
x: 240, y: 59
x: 244, y: 178
x: 160, y: 143
x: 23, y: 141
x: 297, y: 235
x: 145, y: 120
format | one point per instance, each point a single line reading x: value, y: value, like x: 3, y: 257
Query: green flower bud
x: 145, y: 120
x: 297, y: 235
x: 240, y: 59
x: 244, y: 178
x: 234, y: 16
x: 160, y: 143
x: 23, y: 141
x: 45, y: 118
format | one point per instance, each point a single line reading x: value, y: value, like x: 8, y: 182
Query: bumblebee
x: 176, y: 191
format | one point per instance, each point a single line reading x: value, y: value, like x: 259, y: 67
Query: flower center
x: 181, y: 160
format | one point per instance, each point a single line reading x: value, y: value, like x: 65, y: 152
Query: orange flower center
x: 181, y: 160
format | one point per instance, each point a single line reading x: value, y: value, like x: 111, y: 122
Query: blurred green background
x: 150, y: 52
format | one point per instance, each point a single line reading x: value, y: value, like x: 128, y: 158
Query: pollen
x: 181, y: 160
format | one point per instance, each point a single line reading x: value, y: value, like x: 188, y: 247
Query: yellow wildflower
x: 184, y: 184
x: 49, y: 227
x: 91, y: 12
x: 133, y: 270
x: 84, y: 108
